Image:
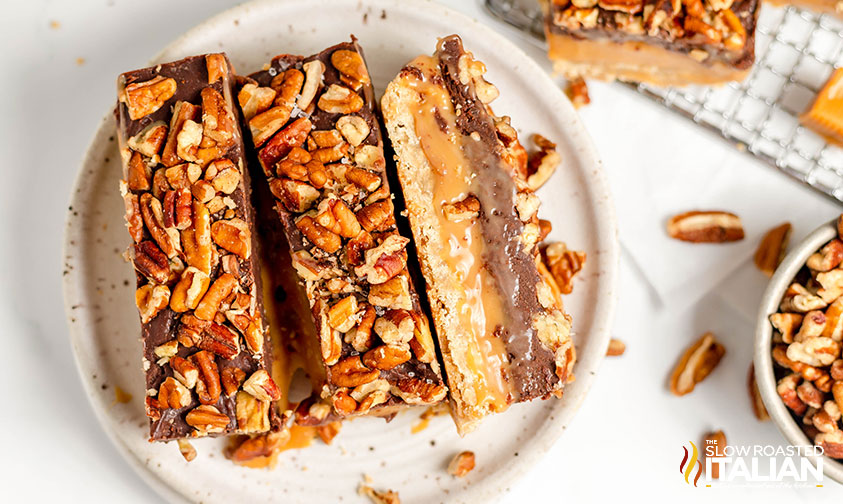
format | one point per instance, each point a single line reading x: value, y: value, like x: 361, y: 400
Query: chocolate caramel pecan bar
x: 503, y: 335
x: 206, y: 351
x: 661, y: 42
x: 365, y: 340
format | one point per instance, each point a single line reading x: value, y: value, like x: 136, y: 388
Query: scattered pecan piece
x: 616, y: 348
x: 772, y: 249
x: 461, y: 464
x: 714, y: 444
x: 329, y: 431
x: 705, y: 227
x: 541, y: 164
x: 698, y: 361
x: 563, y: 264
x: 187, y: 450
x: 577, y: 92
x: 758, y: 408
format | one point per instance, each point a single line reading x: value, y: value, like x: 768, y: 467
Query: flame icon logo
x: 687, y: 466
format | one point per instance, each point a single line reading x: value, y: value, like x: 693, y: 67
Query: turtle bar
x: 365, y: 341
x: 206, y: 351
x: 502, y: 332
x: 659, y: 42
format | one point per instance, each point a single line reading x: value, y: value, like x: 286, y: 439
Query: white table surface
x: 60, y: 59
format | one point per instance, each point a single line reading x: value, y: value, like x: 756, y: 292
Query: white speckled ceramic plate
x: 104, y: 324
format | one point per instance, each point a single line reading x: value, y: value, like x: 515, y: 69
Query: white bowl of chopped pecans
x: 798, y: 365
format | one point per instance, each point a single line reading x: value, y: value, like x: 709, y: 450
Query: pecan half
x: 262, y: 386
x: 196, y: 241
x: 418, y: 391
x: 207, y: 419
x: 831, y: 442
x: 233, y: 235
x: 351, y: 372
x: 138, y: 173
x: 351, y: 67
x: 182, y: 112
x: 799, y: 299
x: 386, y: 356
x: 252, y: 414
x: 577, y: 92
x: 254, y: 100
x: 319, y: 235
x: 339, y: 99
x: 705, y: 227
x: 698, y: 361
x: 465, y: 209
x: 150, y: 300
x: 786, y: 388
x: 153, y: 217
x: 144, y: 98
x: 284, y: 142
x: 172, y: 394
x: 220, y: 340
x: 219, y: 290
x: 151, y: 262
x: 208, y: 385
x: 829, y: 257
x: 787, y: 324
x: 190, y: 290
x: 150, y: 139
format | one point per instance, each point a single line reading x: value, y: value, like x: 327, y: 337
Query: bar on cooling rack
x: 502, y: 332
x: 206, y: 353
x: 366, y: 342
x: 825, y: 115
x: 659, y: 42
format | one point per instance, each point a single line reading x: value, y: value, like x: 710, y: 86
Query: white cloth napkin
x: 663, y: 165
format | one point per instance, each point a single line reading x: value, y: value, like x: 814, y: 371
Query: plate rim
x: 604, y: 211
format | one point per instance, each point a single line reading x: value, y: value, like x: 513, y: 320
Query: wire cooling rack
x: 796, y: 52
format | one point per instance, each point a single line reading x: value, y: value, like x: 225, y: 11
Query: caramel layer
x: 825, y: 116
x: 634, y: 61
x: 480, y: 307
